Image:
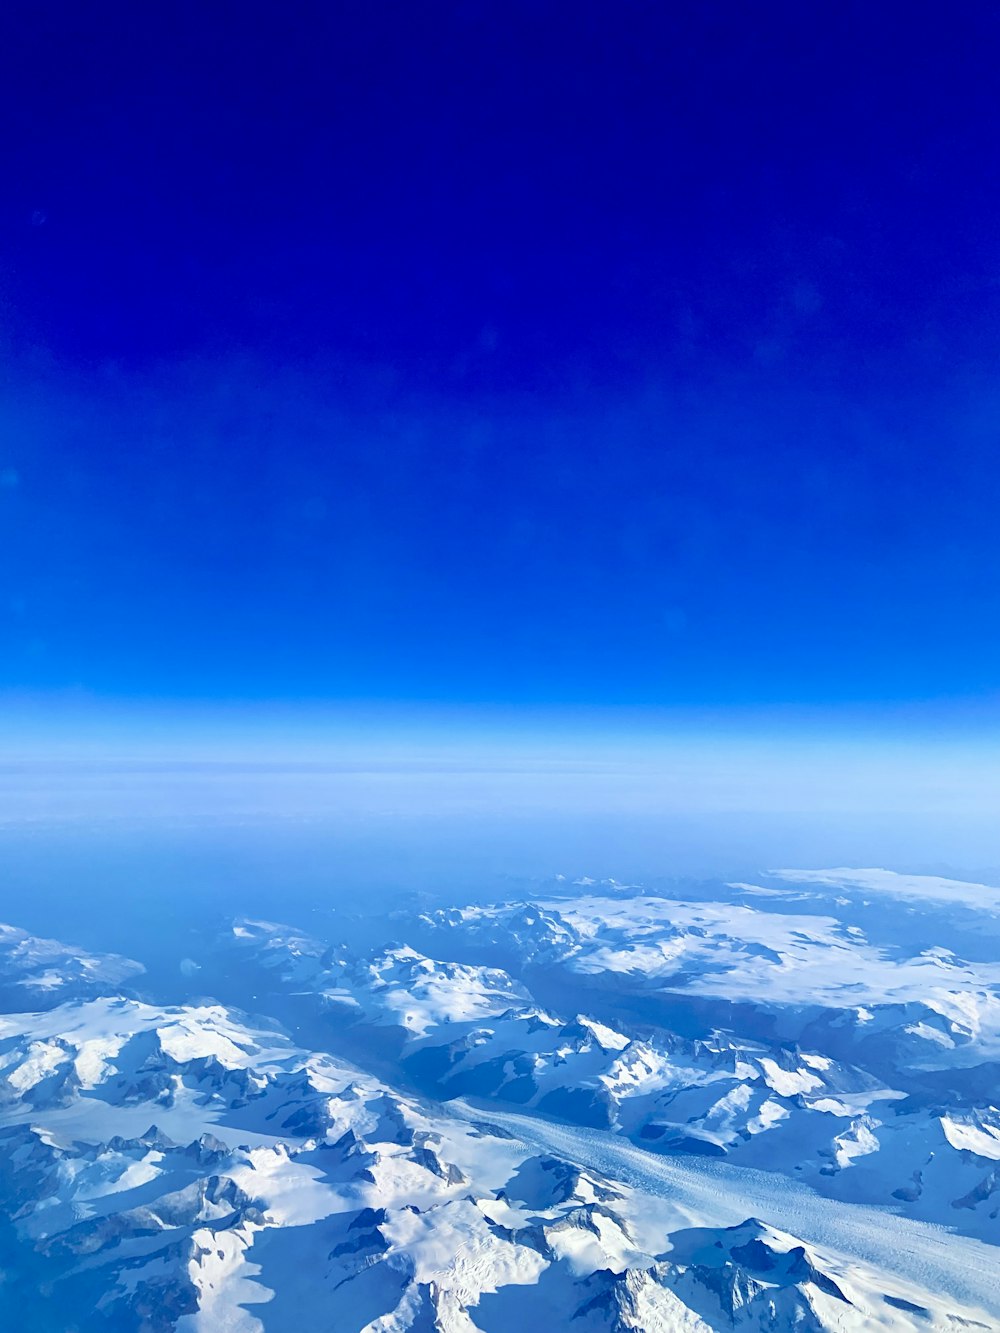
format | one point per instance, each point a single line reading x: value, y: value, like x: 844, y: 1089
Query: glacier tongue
x: 603, y: 1110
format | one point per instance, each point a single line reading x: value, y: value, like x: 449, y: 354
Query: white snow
x: 917, y: 888
x: 928, y: 1257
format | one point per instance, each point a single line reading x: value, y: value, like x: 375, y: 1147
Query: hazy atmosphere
x: 499, y: 668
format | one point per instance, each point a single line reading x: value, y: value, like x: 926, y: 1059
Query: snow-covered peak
x: 48, y: 970
x: 726, y: 1114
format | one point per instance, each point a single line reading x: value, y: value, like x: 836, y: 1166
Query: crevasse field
x: 592, y: 1106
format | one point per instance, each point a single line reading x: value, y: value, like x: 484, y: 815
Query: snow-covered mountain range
x: 752, y: 1106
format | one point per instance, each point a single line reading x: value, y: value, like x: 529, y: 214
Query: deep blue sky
x: 515, y: 353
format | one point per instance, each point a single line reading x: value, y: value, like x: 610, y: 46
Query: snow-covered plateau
x: 768, y: 1105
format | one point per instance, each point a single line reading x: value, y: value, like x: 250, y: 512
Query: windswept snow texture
x: 767, y: 1105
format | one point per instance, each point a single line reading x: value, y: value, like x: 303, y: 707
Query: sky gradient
x: 532, y: 356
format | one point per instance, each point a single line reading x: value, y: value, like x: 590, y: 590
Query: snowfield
x: 925, y: 1257
x: 763, y: 1108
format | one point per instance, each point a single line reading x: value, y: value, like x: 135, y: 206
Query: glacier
x: 766, y: 1104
